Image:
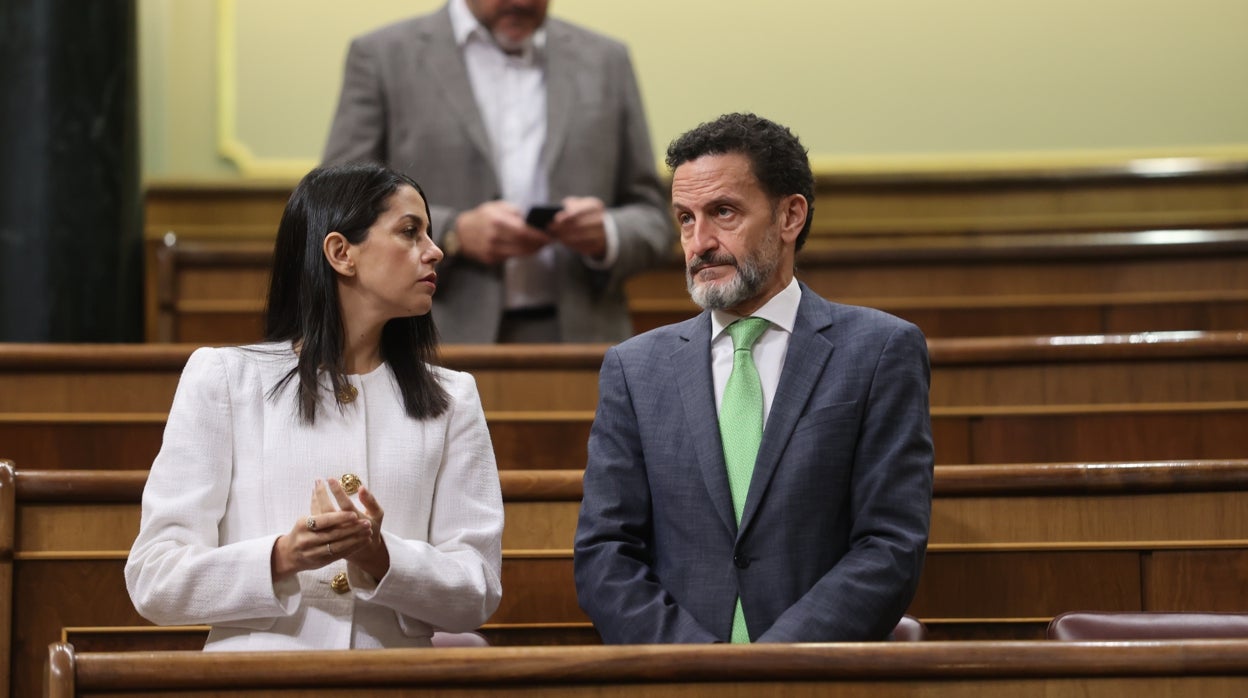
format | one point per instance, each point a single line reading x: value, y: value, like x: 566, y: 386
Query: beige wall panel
x: 234, y: 87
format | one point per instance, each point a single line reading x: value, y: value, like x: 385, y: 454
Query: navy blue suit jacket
x: 833, y: 535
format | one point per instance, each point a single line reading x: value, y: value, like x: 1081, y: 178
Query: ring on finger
x: 311, y: 522
x: 329, y: 549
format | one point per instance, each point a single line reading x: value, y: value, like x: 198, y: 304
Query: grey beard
x: 745, y: 284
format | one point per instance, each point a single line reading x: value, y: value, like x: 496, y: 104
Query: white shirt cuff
x: 613, y: 245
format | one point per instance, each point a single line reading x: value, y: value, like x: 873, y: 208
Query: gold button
x: 348, y: 394
x: 350, y: 483
x: 340, y: 584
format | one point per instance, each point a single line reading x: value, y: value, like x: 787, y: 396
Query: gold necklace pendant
x: 347, y: 395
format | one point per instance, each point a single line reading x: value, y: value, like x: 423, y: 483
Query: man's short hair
x: 777, y: 158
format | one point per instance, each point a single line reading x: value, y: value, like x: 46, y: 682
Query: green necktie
x: 741, y: 427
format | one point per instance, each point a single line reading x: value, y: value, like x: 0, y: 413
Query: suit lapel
x: 692, y: 363
x: 450, y: 74
x: 562, y: 58
x: 804, y: 362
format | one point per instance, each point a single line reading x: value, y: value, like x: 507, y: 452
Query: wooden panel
x: 1011, y: 546
x: 51, y: 594
x: 1026, y: 584
x: 1098, y: 369
x: 538, y: 589
x: 558, y: 440
x: 951, y: 439
x: 219, y: 327
x: 52, y: 442
x: 547, y: 390
x: 232, y: 283
x: 252, y: 207
x: 1196, y: 580
x: 1068, y: 196
x: 540, y: 525
x: 972, y: 285
x: 550, y: 440
x: 1194, y: 379
x: 949, y: 202
x: 229, y: 323
x: 1230, y: 314
x: 1020, y: 271
x: 89, y: 391
x: 1086, y: 518
x: 80, y: 527
x: 531, y: 440
x: 541, y: 635
x: 998, y: 322
x: 135, y: 639
x: 959, y: 629
x: 1111, y: 436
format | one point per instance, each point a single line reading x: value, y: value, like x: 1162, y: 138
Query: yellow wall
x: 246, y: 88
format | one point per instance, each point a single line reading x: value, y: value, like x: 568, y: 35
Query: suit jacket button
x: 741, y: 561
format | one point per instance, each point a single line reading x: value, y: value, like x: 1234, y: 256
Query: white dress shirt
x: 769, y: 351
x: 510, y: 91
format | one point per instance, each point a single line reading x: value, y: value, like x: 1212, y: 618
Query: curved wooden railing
x: 1012, y: 479
x: 881, y: 669
x: 16, y: 356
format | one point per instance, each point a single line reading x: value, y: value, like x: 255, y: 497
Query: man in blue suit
x: 814, y: 528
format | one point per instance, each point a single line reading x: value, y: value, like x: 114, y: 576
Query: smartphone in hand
x: 540, y: 216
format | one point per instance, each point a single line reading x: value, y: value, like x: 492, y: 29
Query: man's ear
x: 792, y: 216
x: 338, y: 253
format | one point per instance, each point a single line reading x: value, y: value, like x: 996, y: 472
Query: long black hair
x: 303, y: 305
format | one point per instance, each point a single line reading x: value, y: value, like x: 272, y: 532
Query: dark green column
x: 70, y: 207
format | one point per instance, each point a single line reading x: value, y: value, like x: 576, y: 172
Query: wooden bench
x: 1012, y: 284
x: 75, y: 378
x: 1011, y: 546
x: 1208, y: 668
x: 951, y: 286
x: 55, y: 379
x: 1079, y: 196
x: 540, y: 440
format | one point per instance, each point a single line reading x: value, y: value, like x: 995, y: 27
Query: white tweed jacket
x: 236, y: 470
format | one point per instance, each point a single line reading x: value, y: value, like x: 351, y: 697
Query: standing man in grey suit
x: 495, y: 109
x: 775, y: 491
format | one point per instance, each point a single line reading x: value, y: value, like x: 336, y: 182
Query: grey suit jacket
x: 407, y: 103
x: 834, y: 530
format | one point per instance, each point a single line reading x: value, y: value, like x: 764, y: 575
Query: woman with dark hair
x: 262, y: 514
